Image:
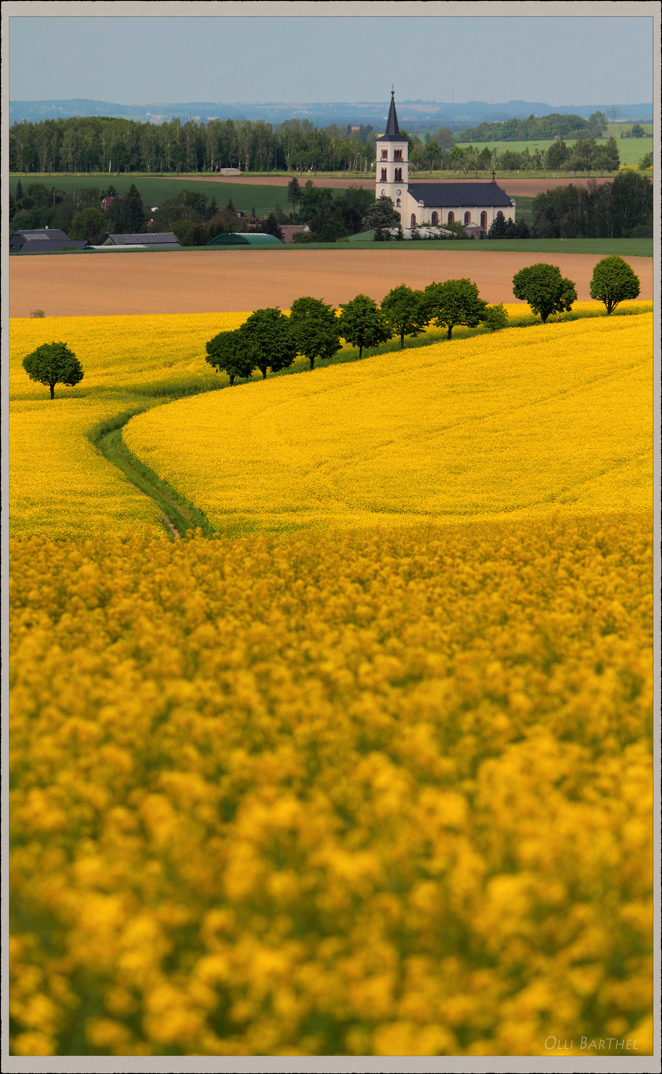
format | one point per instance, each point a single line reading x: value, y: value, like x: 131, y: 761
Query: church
x: 432, y: 204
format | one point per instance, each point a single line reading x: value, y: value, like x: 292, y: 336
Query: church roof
x: 455, y: 195
x: 392, y: 133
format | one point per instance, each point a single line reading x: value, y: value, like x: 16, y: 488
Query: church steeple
x: 391, y: 164
x: 392, y: 133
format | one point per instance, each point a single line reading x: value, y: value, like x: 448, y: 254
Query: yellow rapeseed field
x: 365, y: 793
x: 377, y: 785
x: 516, y: 422
x: 58, y: 483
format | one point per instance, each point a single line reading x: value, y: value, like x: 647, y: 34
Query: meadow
x: 369, y: 770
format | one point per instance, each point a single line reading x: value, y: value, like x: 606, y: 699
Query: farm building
x: 42, y: 240
x: 432, y: 203
x: 235, y: 238
x: 160, y: 240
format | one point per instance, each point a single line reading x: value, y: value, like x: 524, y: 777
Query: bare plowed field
x: 525, y: 187
x: 225, y: 280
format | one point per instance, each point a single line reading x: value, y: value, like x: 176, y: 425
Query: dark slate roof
x: 158, y: 238
x: 455, y: 195
x: 41, y: 234
x: 392, y: 133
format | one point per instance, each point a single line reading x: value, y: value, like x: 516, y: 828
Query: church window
x: 483, y: 221
x: 384, y: 154
x: 398, y: 175
x: 467, y: 218
x: 397, y: 204
x: 397, y: 155
x: 451, y: 218
x: 384, y: 175
x: 413, y: 220
x: 435, y: 218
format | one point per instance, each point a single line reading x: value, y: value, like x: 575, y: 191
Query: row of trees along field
x: 103, y: 144
x: 269, y: 339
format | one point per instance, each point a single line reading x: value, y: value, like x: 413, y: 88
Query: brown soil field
x: 513, y: 187
x: 225, y: 280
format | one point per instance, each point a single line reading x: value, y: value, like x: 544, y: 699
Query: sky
x: 227, y: 59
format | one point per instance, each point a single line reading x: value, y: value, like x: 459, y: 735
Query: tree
x: 270, y: 331
x: 53, y: 363
x: 405, y: 312
x: 315, y: 329
x: 546, y: 291
x: 362, y: 324
x: 495, y: 317
x: 637, y: 131
x: 90, y: 224
x: 382, y: 214
x: 294, y: 193
x: 646, y: 162
x: 613, y: 282
x: 454, y: 302
x: 233, y: 353
x: 270, y: 227
x: 497, y: 229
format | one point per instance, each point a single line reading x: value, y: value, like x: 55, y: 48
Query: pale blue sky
x: 161, y: 59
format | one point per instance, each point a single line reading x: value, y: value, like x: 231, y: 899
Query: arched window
x: 397, y: 204
x: 383, y: 175
x: 483, y: 221
x: 467, y: 218
x: 412, y: 222
x: 451, y: 218
x: 384, y: 154
x: 398, y: 175
x: 435, y: 218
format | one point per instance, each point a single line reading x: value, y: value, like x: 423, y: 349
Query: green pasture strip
x: 604, y: 247
x: 182, y: 515
x: 154, y: 189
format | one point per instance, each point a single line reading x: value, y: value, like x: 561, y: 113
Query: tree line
x: 269, y: 340
x: 537, y: 128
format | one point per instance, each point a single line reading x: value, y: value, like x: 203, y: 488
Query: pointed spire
x: 392, y: 129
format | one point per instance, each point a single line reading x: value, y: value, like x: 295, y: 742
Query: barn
x: 236, y: 238
x: 42, y: 241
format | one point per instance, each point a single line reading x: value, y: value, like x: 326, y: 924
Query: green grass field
x: 604, y: 247
x: 631, y: 150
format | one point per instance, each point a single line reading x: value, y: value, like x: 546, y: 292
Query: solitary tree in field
x: 406, y: 311
x: 545, y: 289
x: 315, y: 329
x: 53, y: 363
x: 270, y: 331
x: 234, y: 354
x: 613, y: 282
x: 362, y: 324
x: 453, y: 303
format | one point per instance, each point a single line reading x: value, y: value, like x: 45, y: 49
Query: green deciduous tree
x: 546, y: 291
x: 233, y: 353
x: 89, y: 224
x: 363, y: 324
x: 405, y: 311
x: 495, y: 317
x: 315, y: 329
x: 454, y: 302
x: 382, y: 214
x: 53, y: 363
x: 613, y: 282
x: 270, y: 331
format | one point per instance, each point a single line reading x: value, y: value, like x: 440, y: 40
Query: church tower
x: 392, y: 162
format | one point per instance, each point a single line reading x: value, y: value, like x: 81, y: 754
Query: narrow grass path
x: 179, y: 515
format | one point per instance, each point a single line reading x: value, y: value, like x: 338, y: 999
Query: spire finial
x: 392, y: 90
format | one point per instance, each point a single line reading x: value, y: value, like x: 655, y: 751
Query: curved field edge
x: 180, y: 515
x: 279, y: 457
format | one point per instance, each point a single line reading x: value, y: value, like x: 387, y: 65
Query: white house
x: 432, y: 203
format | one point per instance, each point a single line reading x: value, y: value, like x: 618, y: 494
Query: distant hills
x: 413, y: 115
